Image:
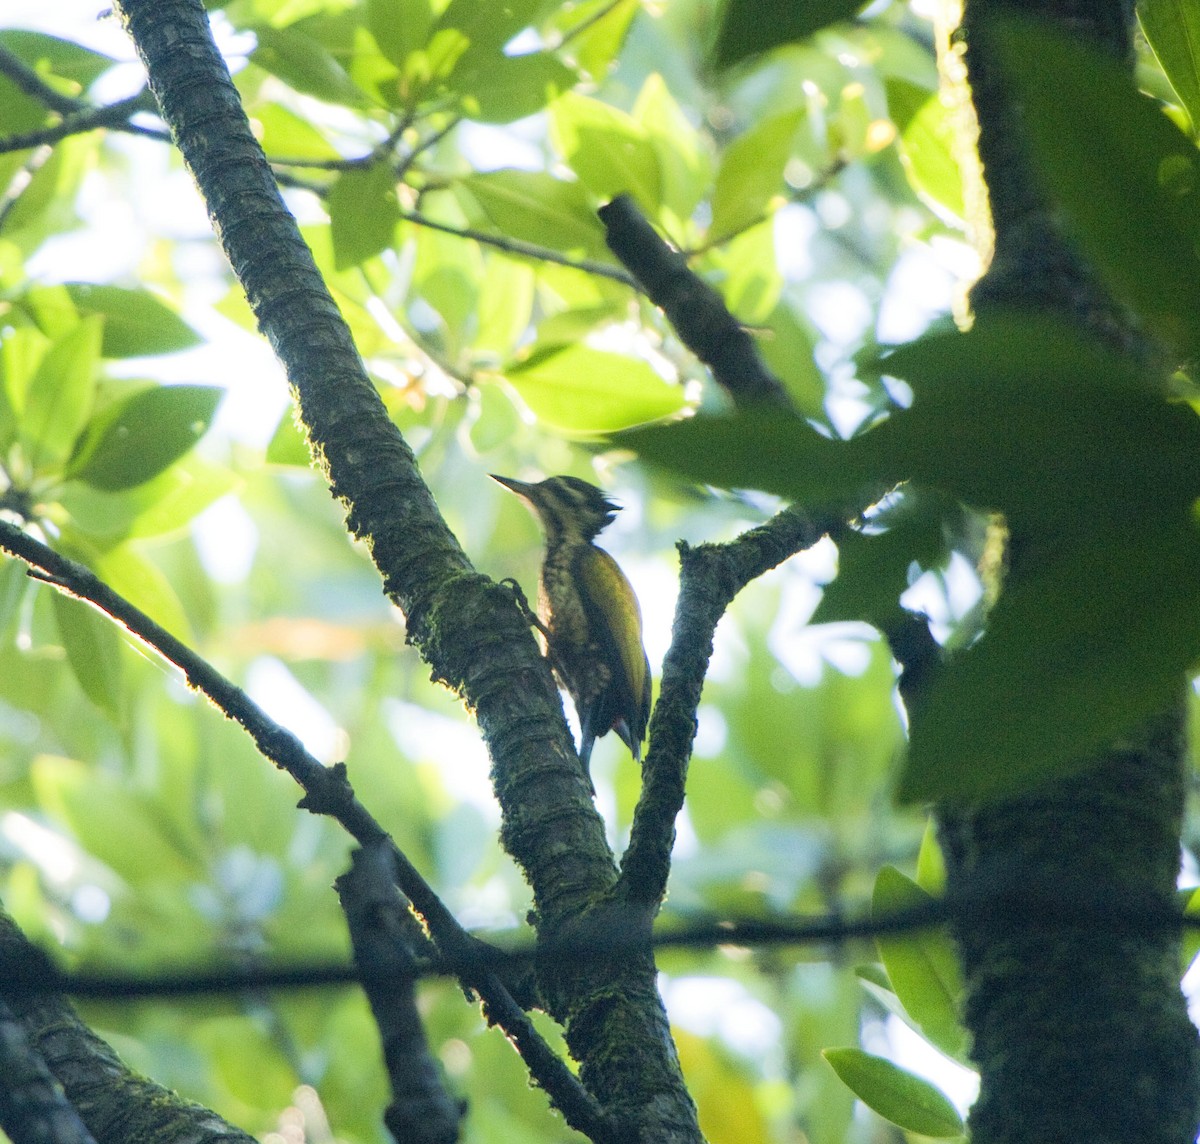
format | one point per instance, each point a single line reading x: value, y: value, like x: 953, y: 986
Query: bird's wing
x: 616, y: 619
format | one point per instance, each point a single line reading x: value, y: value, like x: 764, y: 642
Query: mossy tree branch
x: 467, y: 628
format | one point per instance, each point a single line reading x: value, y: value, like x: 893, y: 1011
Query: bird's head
x: 567, y: 506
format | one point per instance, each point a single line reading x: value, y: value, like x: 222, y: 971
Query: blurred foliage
x: 445, y: 161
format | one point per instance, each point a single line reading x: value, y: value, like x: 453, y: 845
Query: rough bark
x: 1080, y: 1030
x: 467, y: 628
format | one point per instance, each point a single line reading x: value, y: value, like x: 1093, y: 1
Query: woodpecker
x: 591, y: 622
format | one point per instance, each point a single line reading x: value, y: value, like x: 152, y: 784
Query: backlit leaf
x: 133, y: 440
x: 536, y: 207
x: 363, y: 213
x: 93, y: 649
x: 304, y: 63
x: 136, y: 322
x: 751, y: 173
x: 895, y: 1093
x: 610, y: 152
x: 60, y: 394
x: 922, y: 966
x: 1127, y: 178
x: 583, y: 390
x: 1172, y: 28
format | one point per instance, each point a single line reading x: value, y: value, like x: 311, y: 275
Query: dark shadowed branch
x: 695, y: 310
x: 115, y: 1103
x: 711, y: 575
x: 33, y: 1109
x: 422, y: 1110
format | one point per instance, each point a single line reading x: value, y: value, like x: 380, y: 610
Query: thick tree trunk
x: 1079, y: 1027
x: 1080, y: 1030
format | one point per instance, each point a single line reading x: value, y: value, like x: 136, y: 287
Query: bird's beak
x: 519, y: 487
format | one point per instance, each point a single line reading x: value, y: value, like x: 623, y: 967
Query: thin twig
x: 431, y: 140
x: 823, y: 179
x: 32, y: 84
x: 1026, y: 901
x: 589, y: 22
x: 524, y: 249
x: 114, y: 117
x: 513, y: 246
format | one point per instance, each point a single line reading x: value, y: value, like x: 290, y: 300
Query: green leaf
x: 895, y: 1093
x: 446, y: 275
x: 50, y: 56
x: 684, y: 162
x: 511, y: 87
x: 363, y: 213
x: 1094, y: 638
x: 50, y: 308
x: 748, y: 276
x: 177, y: 495
x: 536, y: 207
x: 371, y: 72
x: 931, y: 863
x: 768, y: 450
x: 248, y: 1062
x: 162, y: 506
x: 724, y: 1093
x: 130, y: 572
x: 134, y: 440
x: 873, y: 568
x: 306, y: 65
x: 926, y: 147
x: 582, y: 390
x: 488, y: 27
x: 93, y: 649
x: 751, y: 173
x: 122, y: 827
x: 749, y: 27
x: 400, y: 27
x: 284, y: 135
x: 495, y: 419
x: 991, y: 405
x: 60, y: 394
x: 610, y: 152
x: 21, y: 352
x: 922, y: 966
x: 431, y: 67
x: 1126, y: 177
x: 18, y: 113
x: 462, y: 57
x: 287, y: 446
x: 1172, y: 28
x: 1079, y: 649
x: 1189, y: 904
x: 505, y: 305
x: 136, y: 323
x: 48, y: 200
x: 594, y: 31
x: 14, y: 585
x: 788, y: 349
